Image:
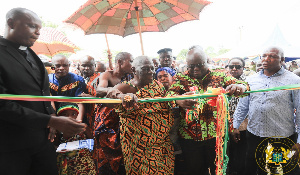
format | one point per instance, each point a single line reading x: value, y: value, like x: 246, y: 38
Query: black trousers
x: 199, y: 156
x: 251, y: 166
x: 35, y: 161
x: 237, y: 154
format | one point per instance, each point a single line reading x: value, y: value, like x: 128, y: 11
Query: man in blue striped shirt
x: 270, y: 114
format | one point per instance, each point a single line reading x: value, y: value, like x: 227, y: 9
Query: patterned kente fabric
x: 203, y: 127
x: 107, y: 148
x: 92, y: 83
x: 108, y: 152
x: 90, y: 108
x: 77, y: 161
x: 145, y: 140
x: 70, y: 85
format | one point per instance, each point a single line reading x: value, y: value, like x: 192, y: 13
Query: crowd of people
x: 165, y: 137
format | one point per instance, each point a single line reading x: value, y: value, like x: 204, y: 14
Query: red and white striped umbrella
x: 51, y: 41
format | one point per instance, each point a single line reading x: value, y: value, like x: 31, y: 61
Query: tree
x: 49, y: 24
x: 212, y: 52
x: 104, y: 56
x: 182, y: 54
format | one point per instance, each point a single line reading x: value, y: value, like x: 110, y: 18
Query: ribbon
x: 145, y: 100
x: 97, y: 100
x: 222, y: 135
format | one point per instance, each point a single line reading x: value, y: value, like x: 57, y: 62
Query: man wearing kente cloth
x: 108, y: 153
x: 145, y: 127
x: 197, y: 128
x: 92, y: 79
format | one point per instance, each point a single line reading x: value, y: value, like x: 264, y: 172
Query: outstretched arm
x: 124, y: 92
x: 102, y: 87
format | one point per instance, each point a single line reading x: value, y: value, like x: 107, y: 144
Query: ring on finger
x: 127, y: 98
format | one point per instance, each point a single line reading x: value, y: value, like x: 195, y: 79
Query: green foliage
x: 104, y: 56
x: 49, y: 23
x: 182, y: 54
x: 67, y: 54
x: 212, y: 52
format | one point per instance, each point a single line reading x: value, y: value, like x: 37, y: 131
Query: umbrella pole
x: 139, y: 25
x: 109, y: 55
x: 108, y: 50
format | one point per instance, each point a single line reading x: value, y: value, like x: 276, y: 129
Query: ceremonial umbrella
x: 51, y: 41
x: 126, y: 17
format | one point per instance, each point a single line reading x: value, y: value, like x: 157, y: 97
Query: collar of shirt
x: 23, y: 48
x: 242, y: 77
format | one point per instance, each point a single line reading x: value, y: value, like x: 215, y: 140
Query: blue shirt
x: 270, y: 114
x: 70, y: 85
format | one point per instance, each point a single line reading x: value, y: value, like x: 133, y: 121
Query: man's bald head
x: 279, y: 49
x: 122, y: 56
x: 16, y: 13
x: 197, y: 63
x: 59, y: 57
x: 196, y: 53
x: 87, y: 66
x: 87, y: 58
x: 62, y: 65
x: 123, y: 62
x: 143, y: 69
x: 100, y: 67
x: 22, y: 26
x: 140, y: 60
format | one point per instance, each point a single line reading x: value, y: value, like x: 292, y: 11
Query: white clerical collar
x: 23, y: 48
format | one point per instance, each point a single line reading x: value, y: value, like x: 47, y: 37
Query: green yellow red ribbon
x: 222, y: 136
x: 108, y: 100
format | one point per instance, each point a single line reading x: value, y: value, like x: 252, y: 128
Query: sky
x: 222, y: 24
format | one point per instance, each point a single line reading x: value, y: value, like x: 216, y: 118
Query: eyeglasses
x: 52, y: 68
x: 192, y: 66
x: 236, y: 66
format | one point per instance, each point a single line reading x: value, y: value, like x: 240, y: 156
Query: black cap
x: 164, y: 50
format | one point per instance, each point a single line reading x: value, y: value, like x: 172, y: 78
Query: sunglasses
x: 236, y: 66
x: 52, y: 68
x: 192, y: 66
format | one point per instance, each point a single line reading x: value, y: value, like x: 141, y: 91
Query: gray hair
x: 121, y: 56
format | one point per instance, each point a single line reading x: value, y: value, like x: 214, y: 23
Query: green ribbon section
x: 94, y: 99
x: 287, y: 87
x: 226, y: 139
x: 175, y: 98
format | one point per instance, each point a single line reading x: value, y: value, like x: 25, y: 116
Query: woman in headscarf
x: 165, y: 76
